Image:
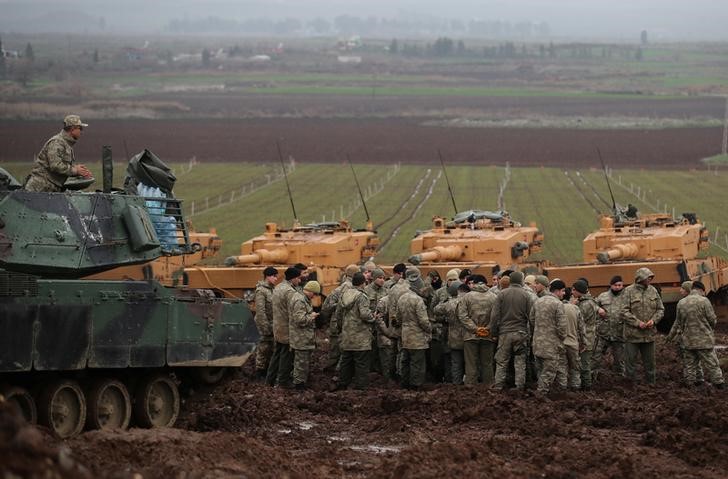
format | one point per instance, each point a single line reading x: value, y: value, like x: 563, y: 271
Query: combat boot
x: 300, y: 386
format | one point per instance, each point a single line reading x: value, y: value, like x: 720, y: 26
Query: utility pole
x: 725, y: 130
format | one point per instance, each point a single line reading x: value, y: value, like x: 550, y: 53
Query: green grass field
x: 564, y: 207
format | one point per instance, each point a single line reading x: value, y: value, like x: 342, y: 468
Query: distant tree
x: 394, y: 46
x: 96, y: 55
x: 23, y: 72
x: 552, y: 50
x: 643, y: 37
x: 320, y: 25
x: 29, y: 54
x: 443, y: 46
x: 461, y: 48
x: 639, y: 55
x: 3, y: 66
x: 206, y: 57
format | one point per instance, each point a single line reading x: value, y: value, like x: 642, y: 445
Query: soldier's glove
x: 482, y: 332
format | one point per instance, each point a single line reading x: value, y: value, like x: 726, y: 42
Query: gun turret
x: 276, y: 256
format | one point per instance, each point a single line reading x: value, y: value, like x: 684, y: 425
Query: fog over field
x: 559, y: 19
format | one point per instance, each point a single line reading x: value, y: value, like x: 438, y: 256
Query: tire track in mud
x: 427, y: 196
x: 581, y: 192
x: 596, y: 193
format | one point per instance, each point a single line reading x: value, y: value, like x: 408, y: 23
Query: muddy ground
x: 245, y: 429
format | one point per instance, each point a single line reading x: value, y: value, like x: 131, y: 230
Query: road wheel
x: 207, y: 376
x: 156, y: 402
x: 22, y: 400
x: 62, y: 408
x: 109, y: 405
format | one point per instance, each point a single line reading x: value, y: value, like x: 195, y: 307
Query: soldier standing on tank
x: 474, y: 312
x: 329, y: 309
x: 281, y: 364
x: 356, y: 335
x: 416, y: 331
x: 55, y: 161
x: 548, y: 317
x: 610, y: 328
x: 641, y: 310
x: 264, y: 321
x: 509, y: 323
x: 694, y: 329
x: 302, y: 330
x: 589, y: 314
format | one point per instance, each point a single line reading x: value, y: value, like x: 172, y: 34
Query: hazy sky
x: 597, y: 19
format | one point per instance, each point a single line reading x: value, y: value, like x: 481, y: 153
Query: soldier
x: 575, y: 340
x: 356, y: 334
x: 396, y: 290
x: 541, y: 286
x: 474, y: 311
x: 446, y: 312
x: 548, y: 317
x: 264, y: 320
x: 509, y: 323
x: 368, y: 269
x: 55, y: 161
x: 609, y: 328
x: 589, y: 314
x: 375, y: 291
x: 304, y: 274
x: 385, y: 342
x: 398, y: 272
x: 302, y: 330
x: 694, y: 325
x: 685, y: 288
x: 642, y: 309
x: 529, y: 285
x: 439, y: 346
x: 416, y: 331
x: 328, y: 309
x: 281, y: 364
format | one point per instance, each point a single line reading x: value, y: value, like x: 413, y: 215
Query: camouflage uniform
x: 302, y: 334
x: 446, y: 312
x: 281, y: 364
x: 416, y: 334
x: 356, y: 338
x: 328, y: 309
x: 264, y: 323
x: 438, y: 366
x: 574, y: 341
x: 641, y: 304
x: 589, y: 314
x: 549, y: 331
x: 385, y: 344
x: 474, y: 310
x: 395, y: 292
x: 509, y: 323
x: 609, y: 332
x: 53, y: 165
x: 694, y: 325
x: 375, y: 292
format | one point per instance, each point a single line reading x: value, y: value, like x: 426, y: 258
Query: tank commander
x: 55, y: 161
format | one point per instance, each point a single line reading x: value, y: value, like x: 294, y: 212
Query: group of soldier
x: 462, y: 330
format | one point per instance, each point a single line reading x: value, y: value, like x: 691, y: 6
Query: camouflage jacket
x: 416, y: 326
x: 374, y: 293
x: 395, y: 292
x: 357, y: 320
x: 447, y: 312
x: 281, y: 300
x: 694, y: 322
x: 55, y: 160
x: 474, y: 310
x: 264, y: 309
x: 610, y: 327
x: 575, y: 330
x: 381, y: 313
x: 510, y: 312
x: 302, y: 322
x: 328, y: 309
x: 640, y: 303
x: 589, y: 314
x: 549, y: 327
x: 439, y: 326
